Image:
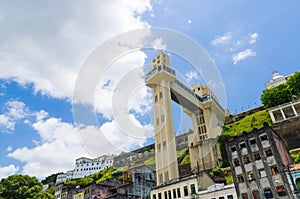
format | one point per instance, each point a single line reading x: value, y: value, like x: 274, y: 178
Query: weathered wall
x: 289, y: 130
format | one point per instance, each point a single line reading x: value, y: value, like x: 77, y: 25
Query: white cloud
x: 223, y: 39
x: 232, y: 45
x: 125, y: 74
x: 243, y: 55
x: 158, y: 44
x: 50, y: 56
x: 189, y: 21
x: 15, y: 110
x: 8, y: 171
x: 191, y: 75
x: 60, y: 143
x: 9, y: 148
x: 253, y: 38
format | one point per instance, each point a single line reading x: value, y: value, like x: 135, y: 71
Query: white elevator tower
x: 200, y: 104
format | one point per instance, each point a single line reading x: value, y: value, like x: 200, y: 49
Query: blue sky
x: 44, y: 46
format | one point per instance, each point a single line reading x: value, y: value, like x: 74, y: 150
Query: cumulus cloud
x: 253, y: 38
x: 8, y: 171
x: 158, y: 44
x: 48, y: 50
x: 124, y: 75
x: 243, y: 55
x: 14, y: 111
x: 59, y: 143
x: 222, y: 39
x: 235, y: 46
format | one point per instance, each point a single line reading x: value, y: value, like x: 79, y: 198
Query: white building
x: 218, y: 191
x: 276, y: 80
x: 86, y: 166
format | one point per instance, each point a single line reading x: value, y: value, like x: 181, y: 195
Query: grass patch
x: 186, y: 160
x: 247, y: 124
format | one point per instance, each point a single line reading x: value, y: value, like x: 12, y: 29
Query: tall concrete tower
x: 159, y: 79
x: 200, y: 104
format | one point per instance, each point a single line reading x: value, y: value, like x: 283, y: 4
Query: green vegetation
x: 101, y: 176
x: 186, y: 160
x: 247, y: 124
x: 294, y: 84
x: 51, y: 178
x: 295, y: 154
x: 298, y: 184
x: 22, y: 187
x: 223, y: 172
x: 181, y: 152
x: 282, y: 93
x: 150, y: 161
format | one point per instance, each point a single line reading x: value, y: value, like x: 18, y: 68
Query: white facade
x: 218, y: 191
x: 86, y: 166
x: 276, y: 80
x: 183, y: 189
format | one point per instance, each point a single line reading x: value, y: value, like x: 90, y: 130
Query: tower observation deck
x: 199, y: 103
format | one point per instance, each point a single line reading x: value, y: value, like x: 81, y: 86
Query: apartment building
x: 260, y: 165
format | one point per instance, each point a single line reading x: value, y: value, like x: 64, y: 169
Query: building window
x: 156, y: 98
x: 268, y: 152
x: 257, y: 156
x: 160, y: 95
x: 240, y: 178
x: 159, y: 196
x: 236, y: 162
x: 178, y: 193
x: 162, y: 118
x: 233, y: 149
x: 246, y: 159
x: 250, y: 176
x: 252, y: 142
x: 268, y: 193
x: 193, y: 190
x: 262, y: 173
x: 158, y: 146
x: 255, y: 194
x: 281, y: 191
x: 169, y: 194
x: 166, y: 195
x: 154, y: 196
x: 174, y: 193
x: 243, y: 145
x: 221, y: 197
x: 185, y: 191
x: 164, y: 144
x: 230, y: 197
x: 274, y: 170
x: 263, y: 138
x: 167, y: 176
x: 244, y: 196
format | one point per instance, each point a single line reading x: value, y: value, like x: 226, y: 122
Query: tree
x: 275, y: 96
x: 293, y: 84
x: 282, y: 93
x: 22, y: 187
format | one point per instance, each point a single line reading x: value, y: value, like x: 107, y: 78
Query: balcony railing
x: 158, y: 69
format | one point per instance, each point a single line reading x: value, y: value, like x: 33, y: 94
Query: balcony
x: 158, y: 69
